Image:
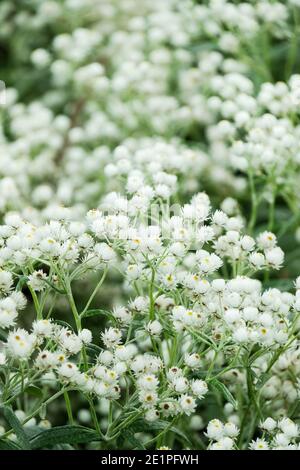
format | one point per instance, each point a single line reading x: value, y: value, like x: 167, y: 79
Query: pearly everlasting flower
x: 193, y: 360
x: 199, y: 388
x: 85, y: 335
x: 154, y: 328
x: 37, y: 280
x: 68, y: 371
x: 289, y: 428
x: 215, y: 429
x: 111, y: 337
x: 180, y: 384
x: 6, y: 281
x: 259, y: 444
x: 151, y: 415
x: 147, y: 382
x: 43, y: 328
x: 20, y: 344
x: 187, y: 404
x: 148, y: 399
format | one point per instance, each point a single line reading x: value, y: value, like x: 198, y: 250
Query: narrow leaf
x: 5, y: 444
x: 220, y: 387
x: 63, y: 435
x: 34, y: 391
x: 95, y: 313
x: 15, y: 424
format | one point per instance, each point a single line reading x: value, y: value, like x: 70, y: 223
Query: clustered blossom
x: 279, y: 435
x: 125, y: 75
x: 149, y: 223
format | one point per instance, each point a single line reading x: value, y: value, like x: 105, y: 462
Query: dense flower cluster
x: 149, y: 232
x: 280, y: 435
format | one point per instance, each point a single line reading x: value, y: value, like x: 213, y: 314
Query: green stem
x: 68, y: 407
x: 254, y: 202
x: 73, y: 307
x: 94, y: 417
x: 95, y: 292
x: 272, y: 213
x: 151, y: 297
x: 36, y: 303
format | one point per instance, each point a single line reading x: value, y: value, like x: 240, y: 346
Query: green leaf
x: 22, y: 282
x: 95, y: 313
x: 281, y: 284
x: 5, y: 444
x: 143, y: 426
x: 65, y: 324
x: 3, y: 335
x: 63, y: 447
x: 220, y: 387
x: 161, y: 425
x: 15, y: 424
x: 136, y: 444
x: 93, y: 350
x: 34, y: 391
x: 63, y: 435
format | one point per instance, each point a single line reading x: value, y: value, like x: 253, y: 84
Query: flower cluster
x: 279, y: 435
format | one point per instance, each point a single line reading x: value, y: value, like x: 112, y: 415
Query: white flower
x: 122, y: 314
x: 45, y: 360
x: 225, y: 443
x: 241, y: 335
x: 42, y: 328
x: 147, y: 398
x: 148, y: 382
x: 281, y: 439
x: 232, y: 315
x: 180, y: 384
x: 6, y: 281
x: 151, y: 415
x: 20, y: 343
x: 218, y: 285
x: 125, y: 353
x: 68, y: 371
x: 104, y: 252
x: 215, y: 429
x: 257, y: 259
x: 289, y: 428
x: 70, y: 342
x: 134, y: 271
x: 199, y: 388
x: 192, y: 360
x: 106, y: 357
x: 173, y: 373
x: 8, y: 312
x: 259, y: 444
x: 219, y: 218
x: 247, y: 243
x: 187, y: 404
x: 111, y: 337
x: 19, y: 299
x: 155, y: 328
x: 250, y: 313
x: 231, y: 430
x: 274, y: 257
x: 140, y: 304
x: 85, y: 335
x: 266, y: 240
x: 36, y: 280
